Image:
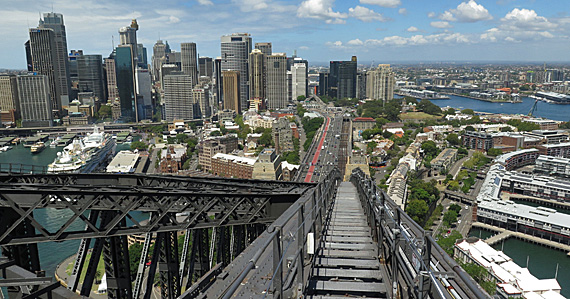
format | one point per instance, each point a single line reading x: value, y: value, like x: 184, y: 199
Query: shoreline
x: 480, y: 99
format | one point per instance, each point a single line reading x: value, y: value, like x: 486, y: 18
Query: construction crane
x: 533, y: 109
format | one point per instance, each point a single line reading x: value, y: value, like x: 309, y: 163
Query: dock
x: 504, y: 234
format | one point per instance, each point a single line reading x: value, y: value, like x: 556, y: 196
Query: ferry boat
x: 38, y: 147
x: 84, y: 155
x: 5, y: 148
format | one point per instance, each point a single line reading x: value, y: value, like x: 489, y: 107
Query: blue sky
x: 320, y: 30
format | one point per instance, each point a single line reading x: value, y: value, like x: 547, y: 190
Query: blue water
x: 543, y: 109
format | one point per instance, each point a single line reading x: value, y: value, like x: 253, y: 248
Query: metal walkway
x: 346, y: 262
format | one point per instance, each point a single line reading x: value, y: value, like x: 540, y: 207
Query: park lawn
x: 100, y: 269
x: 418, y: 115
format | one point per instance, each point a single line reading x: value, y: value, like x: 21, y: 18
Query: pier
x: 504, y: 234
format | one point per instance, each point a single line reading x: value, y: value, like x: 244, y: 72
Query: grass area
x: 418, y: 115
x: 100, y: 269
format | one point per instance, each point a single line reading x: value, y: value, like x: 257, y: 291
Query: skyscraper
x: 128, y: 36
x: 232, y: 85
x: 257, y: 78
x: 201, y: 100
x: 44, y: 59
x: 298, y: 80
x: 276, y: 81
x: 158, y: 58
x: 110, y: 70
x: 189, y: 61
x: 144, y: 86
x: 125, y: 70
x: 54, y: 21
x: 90, y: 75
x: 218, y: 81
x: 235, y: 50
x: 178, y: 97
x: 265, y: 48
x: 9, y: 105
x: 35, y: 102
x: 342, y: 79
x: 380, y: 83
x: 206, y: 66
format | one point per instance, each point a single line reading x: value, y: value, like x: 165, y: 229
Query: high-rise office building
x: 9, y: 105
x: 188, y: 58
x: 361, y: 85
x: 35, y: 102
x: 380, y: 83
x: 218, y: 82
x: 144, y: 92
x: 323, y: 84
x: 90, y: 75
x: 265, y: 48
x: 44, y: 59
x: 201, y: 98
x: 111, y: 74
x: 235, y: 51
x: 54, y: 21
x: 206, y: 66
x: 158, y: 58
x: 342, y: 79
x: 257, y: 73
x: 142, y: 58
x: 128, y: 36
x: 298, y: 80
x: 232, y: 85
x: 178, y: 97
x: 276, y: 81
x: 125, y: 70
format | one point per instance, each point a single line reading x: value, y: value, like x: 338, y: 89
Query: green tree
x: 105, y: 111
x: 417, y: 209
x: 216, y: 133
x: 494, y: 152
x: 428, y: 107
x: 453, y: 139
x: 449, y: 111
x: 370, y: 147
x: 449, y: 218
x: 266, y: 139
x: 455, y: 207
x: 430, y: 148
x: 470, y: 128
x: 301, y: 98
x: 453, y: 185
x: 506, y: 129
x: 139, y: 145
x: 468, y: 111
x: 135, y: 252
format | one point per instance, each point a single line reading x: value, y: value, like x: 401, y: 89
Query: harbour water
x: 51, y: 254
x: 543, y: 109
x: 541, y: 260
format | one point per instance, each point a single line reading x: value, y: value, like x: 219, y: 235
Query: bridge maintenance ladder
x: 346, y: 262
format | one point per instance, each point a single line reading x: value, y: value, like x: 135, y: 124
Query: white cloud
x: 447, y: 16
x: 355, y: 42
x: 383, y: 3
x: 365, y: 14
x: 321, y: 10
x: 431, y: 14
x: 412, y: 29
x: 173, y: 20
x: 441, y: 24
x: 445, y: 38
x: 251, y: 5
x: 467, y: 12
x: 521, y: 25
x: 205, y: 2
x: 303, y: 48
x: 403, y: 11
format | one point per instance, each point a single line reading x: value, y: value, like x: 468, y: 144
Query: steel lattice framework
x: 220, y: 218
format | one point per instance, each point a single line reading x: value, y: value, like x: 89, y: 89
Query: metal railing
x: 18, y: 168
x: 286, y: 242
x: 426, y: 269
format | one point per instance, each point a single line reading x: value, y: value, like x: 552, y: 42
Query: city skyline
x: 320, y: 30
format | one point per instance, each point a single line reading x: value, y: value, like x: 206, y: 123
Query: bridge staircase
x: 346, y: 262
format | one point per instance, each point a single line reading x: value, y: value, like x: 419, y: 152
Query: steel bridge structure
x: 242, y: 238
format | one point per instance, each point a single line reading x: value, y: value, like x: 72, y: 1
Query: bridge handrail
x: 20, y: 168
x: 374, y: 199
x: 315, y: 215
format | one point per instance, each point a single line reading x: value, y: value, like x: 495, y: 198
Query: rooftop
x: 234, y: 159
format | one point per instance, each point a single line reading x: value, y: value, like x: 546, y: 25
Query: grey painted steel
x: 403, y: 241
x: 348, y: 286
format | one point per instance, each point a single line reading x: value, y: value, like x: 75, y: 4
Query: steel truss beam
x: 197, y: 207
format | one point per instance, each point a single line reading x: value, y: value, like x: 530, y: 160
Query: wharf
x: 505, y: 234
